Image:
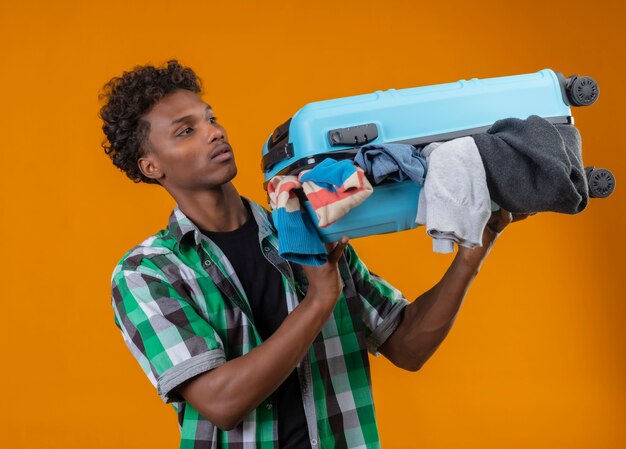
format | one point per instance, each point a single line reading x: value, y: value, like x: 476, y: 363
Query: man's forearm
x: 227, y: 393
x: 426, y: 322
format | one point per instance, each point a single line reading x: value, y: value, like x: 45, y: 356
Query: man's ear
x: 150, y: 167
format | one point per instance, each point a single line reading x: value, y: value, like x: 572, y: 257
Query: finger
x: 507, y: 218
x: 499, y: 220
x: 335, y: 254
x: 519, y: 217
x: 494, y: 218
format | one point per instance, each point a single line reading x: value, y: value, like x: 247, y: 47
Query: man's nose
x: 214, y: 132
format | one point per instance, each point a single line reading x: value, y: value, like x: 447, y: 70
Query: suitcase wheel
x: 601, y: 182
x: 582, y: 91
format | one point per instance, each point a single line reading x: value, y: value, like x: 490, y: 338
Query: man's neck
x: 216, y: 210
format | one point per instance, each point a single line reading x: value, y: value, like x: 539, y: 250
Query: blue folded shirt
x: 393, y: 161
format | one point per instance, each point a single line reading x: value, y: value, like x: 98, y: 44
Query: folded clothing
x: 392, y: 161
x: 298, y: 240
x: 454, y: 203
x: 334, y: 188
x: 534, y: 166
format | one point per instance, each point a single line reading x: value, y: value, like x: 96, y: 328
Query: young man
x: 252, y: 352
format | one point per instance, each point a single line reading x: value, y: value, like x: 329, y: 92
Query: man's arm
x: 426, y: 321
x: 227, y: 393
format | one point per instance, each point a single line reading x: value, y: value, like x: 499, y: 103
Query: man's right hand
x: 325, y: 283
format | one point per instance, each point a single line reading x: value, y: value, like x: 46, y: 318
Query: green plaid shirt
x: 182, y: 311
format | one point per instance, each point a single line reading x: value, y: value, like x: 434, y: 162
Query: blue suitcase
x: 417, y: 116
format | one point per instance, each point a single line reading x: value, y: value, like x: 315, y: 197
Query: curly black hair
x: 130, y: 96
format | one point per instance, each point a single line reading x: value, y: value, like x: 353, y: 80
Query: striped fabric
x: 182, y: 311
x: 334, y: 188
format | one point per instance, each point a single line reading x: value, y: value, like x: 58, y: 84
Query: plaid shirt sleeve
x: 382, y: 303
x: 161, y: 325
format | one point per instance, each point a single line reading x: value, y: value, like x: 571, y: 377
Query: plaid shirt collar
x: 181, y: 226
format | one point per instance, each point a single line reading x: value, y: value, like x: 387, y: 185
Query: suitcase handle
x: 276, y: 155
x: 278, y: 147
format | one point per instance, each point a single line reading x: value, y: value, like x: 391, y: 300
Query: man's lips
x: 223, y: 148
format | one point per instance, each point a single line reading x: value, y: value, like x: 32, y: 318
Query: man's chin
x: 233, y: 173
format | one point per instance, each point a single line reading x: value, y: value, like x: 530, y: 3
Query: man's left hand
x: 495, y: 225
x: 501, y: 219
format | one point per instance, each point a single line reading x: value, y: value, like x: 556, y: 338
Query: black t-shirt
x: 263, y: 285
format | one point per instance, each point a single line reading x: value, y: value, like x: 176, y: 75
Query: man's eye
x: 212, y: 119
x: 186, y: 131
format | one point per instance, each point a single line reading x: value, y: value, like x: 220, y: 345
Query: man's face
x: 187, y: 150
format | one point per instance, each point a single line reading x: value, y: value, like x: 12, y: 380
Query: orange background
x: 536, y: 358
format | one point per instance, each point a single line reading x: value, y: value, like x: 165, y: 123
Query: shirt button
x: 266, y: 249
x: 207, y: 263
x: 268, y: 406
x: 313, y: 442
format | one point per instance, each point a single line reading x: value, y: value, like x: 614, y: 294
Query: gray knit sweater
x: 534, y: 166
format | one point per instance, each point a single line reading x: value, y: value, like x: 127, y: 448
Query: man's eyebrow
x: 189, y: 117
